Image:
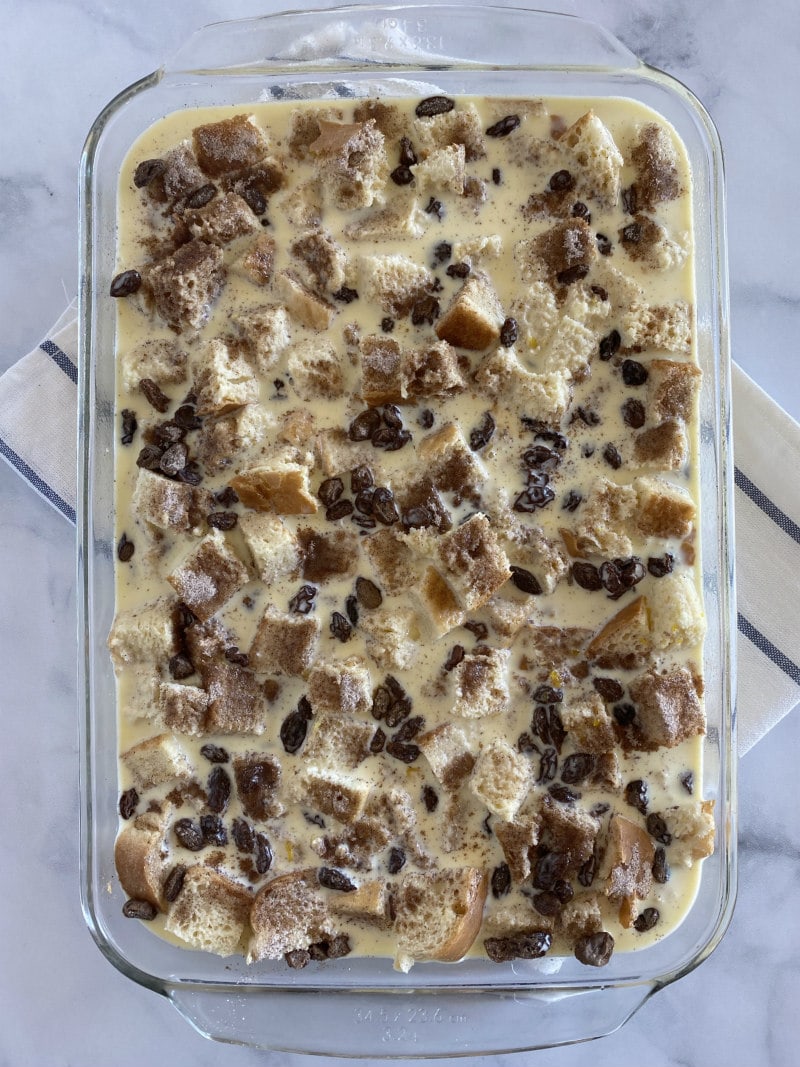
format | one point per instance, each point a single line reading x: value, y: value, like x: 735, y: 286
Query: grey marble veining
x: 61, y: 1002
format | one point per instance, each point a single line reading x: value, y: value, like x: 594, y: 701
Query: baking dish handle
x: 435, y: 1024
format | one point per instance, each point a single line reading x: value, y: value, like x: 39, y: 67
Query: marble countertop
x: 61, y: 1003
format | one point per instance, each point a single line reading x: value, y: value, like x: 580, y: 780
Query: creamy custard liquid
x: 526, y: 165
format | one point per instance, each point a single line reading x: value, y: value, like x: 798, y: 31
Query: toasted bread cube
x: 185, y: 285
x: 511, y: 917
x: 284, y: 644
x: 551, y: 648
x: 316, y: 370
x: 352, y: 163
x: 356, y: 844
x: 163, y: 361
x: 239, y: 437
x: 588, y: 724
x: 183, y: 708
x: 473, y: 561
x: 656, y: 164
x: 663, y: 509
x: 663, y: 447
x: 168, y: 504
x: 507, y: 616
x: 393, y: 281
x: 382, y: 371
x: 448, y: 752
x: 296, y: 427
x: 438, y: 914
x: 281, y: 488
x: 141, y: 856
x: 223, y: 380
x: 209, y: 576
x: 392, y: 559
x: 144, y: 635
x: 181, y: 174
x: 606, y: 520
x: 501, y: 779
x: 390, y: 119
x: 258, y: 262
x: 320, y: 261
x: 666, y: 328
x: 442, y: 168
x: 570, y: 351
x: 668, y: 709
x: 273, y: 547
x: 629, y: 860
x: 527, y: 547
x: 568, y: 830
x: 222, y: 220
x: 258, y: 779
x: 369, y: 903
x: 449, y: 462
x: 461, y: 126
x: 476, y: 250
x: 537, y: 316
x: 236, y: 700
x: 517, y: 838
x: 341, y: 687
x: 434, y: 371
x: 691, y: 827
x: 157, y: 760
x: 266, y: 332
x: 401, y: 220
x: 419, y: 500
x: 309, y: 309
x: 474, y: 316
x: 479, y: 683
x: 568, y: 246
x: 337, y: 741
x: 211, y: 912
x: 339, y: 795
x: 598, y: 158
x: 206, y: 642
x: 544, y: 397
x: 625, y: 641
x: 288, y: 913
x: 231, y: 144
x: 304, y: 128
x: 335, y: 453
x: 327, y: 555
x: 653, y: 247
x: 442, y: 607
x: 676, y: 612
x: 392, y: 636
x: 672, y: 389
x: 580, y: 916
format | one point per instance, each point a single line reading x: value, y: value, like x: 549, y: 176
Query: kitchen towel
x: 38, y: 418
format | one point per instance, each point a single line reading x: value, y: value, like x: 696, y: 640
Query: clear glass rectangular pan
x: 363, y: 1007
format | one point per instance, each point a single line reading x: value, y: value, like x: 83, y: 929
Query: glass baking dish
x: 362, y: 1007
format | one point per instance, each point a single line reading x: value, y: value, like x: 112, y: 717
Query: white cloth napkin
x: 38, y: 419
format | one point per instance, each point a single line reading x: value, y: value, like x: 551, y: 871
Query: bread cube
x: 304, y: 305
x: 335, y: 453
x: 209, y: 576
x: 551, y: 648
x: 537, y: 316
x: 352, y: 163
x: 506, y: 616
x: 568, y: 247
x: 258, y: 779
x: 336, y: 741
x: 676, y: 612
x: 628, y: 862
x: 273, y: 547
x: 168, y: 504
x: 206, y: 642
x: 296, y: 427
x: 319, y: 260
x: 141, y: 856
x: 185, y: 285
x: 474, y: 316
x: 625, y: 641
x: 369, y: 903
x: 278, y: 487
x: 442, y: 607
x: 284, y: 644
x: 588, y: 724
x: 159, y: 359
x: 672, y: 389
x: 527, y: 547
x: 598, y: 159
x: 234, y: 439
x: 447, y: 750
x: 382, y: 371
x: 501, y: 778
x: 648, y: 243
x: 223, y: 381
x: 266, y: 332
x: 341, y: 687
x: 392, y: 637
x: 419, y: 499
x: 288, y: 913
x: 341, y: 796
x: 580, y: 916
x: 395, y: 281
x: 665, y: 327
x: 211, y: 912
x: 473, y: 561
x: 449, y: 462
x: 663, y: 447
x: 543, y: 397
x: 461, y: 126
x: 183, y: 708
x: 316, y: 370
x: 258, y: 262
x: 434, y: 370
x: 656, y: 164
x: 438, y: 914
x: 518, y: 838
x: 236, y: 700
x: 327, y: 555
x: 401, y: 220
x: 569, y: 831
x: 393, y: 560
x: 157, y: 760
x: 606, y: 519
x: 181, y: 174
x: 222, y: 220
x: 691, y: 827
x: 144, y: 635
x: 231, y: 144
x: 442, y: 169
x: 476, y: 250
x: 570, y: 351
x: 668, y: 709
x: 479, y: 682
x: 663, y: 509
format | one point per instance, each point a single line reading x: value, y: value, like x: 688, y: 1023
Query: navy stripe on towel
x: 19, y: 464
x: 61, y: 359
x: 770, y: 651
x: 762, y: 501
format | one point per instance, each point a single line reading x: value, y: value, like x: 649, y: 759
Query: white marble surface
x: 60, y: 1001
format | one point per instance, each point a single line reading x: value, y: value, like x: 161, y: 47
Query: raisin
x: 125, y: 549
x: 646, y: 920
x: 504, y: 126
x: 624, y: 714
x: 572, y: 274
x: 418, y: 518
x: 435, y: 207
x: 368, y: 594
x: 297, y: 958
x: 364, y: 425
x: 562, y: 794
x: 360, y: 478
x: 345, y: 295
x: 528, y: 946
x: 425, y: 310
x: 213, y: 830
x: 535, y: 496
x: 501, y: 880
x: 629, y: 200
x: 403, y: 752
x: 430, y: 798
x: 126, y: 283
x: 659, y: 566
x: 378, y: 741
x: 634, y: 373
x: 222, y: 520
x: 546, y: 903
x: 594, y: 950
x: 340, y: 627
x: 293, y: 730
x: 604, y: 246
x: 396, y: 860
x: 214, y: 753
x: 657, y: 828
x: 426, y: 418
x: 442, y: 251
x: 631, y: 234
x: 340, y: 510
x: 482, y: 434
x: 243, y: 837
x: 633, y: 413
x: 129, y: 425
x: 581, y: 211
x: 587, y: 576
x: 218, y: 790
x: 351, y: 607
x: 572, y: 501
x: 189, y: 835
x: 587, y: 872
x: 525, y: 581
x: 454, y: 657
x: 154, y: 396
x: 636, y: 795
x: 458, y: 270
x: 433, y: 105
x: 479, y: 629
x: 330, y: 490
x: 509, y: 332
x: 409, y: 729
x: 263, y: 853
x: 128, y: 803
x: 408, y: 157
x: 139, y: 909
x: 609, y: 689
x: 387, y: 324
x: 577, y: 767
x: 611, y: 456
x: 173, y: 883
x: 561, y: 182
x: 384, y: 506
x: 660, y: 867
x: 687, y: 781
x: 609, y: 345
x: 497, y: 176
x: 147, y: 171
x: 330, y: 878
x: 548, y: 765
x: 547, y: 694
x: 303, y: 600
x: 201, y: 196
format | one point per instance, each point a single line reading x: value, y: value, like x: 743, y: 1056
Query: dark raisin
x: 398, y: 441
x: 154, y: 396
x: 587, y: 872
x: 425, y: 310
x: 609, y: 689
x: 561, y: 182
x: 340, y: 627
x: 340, y: 510
x: 587, y: 576
x: 139, y: 909
x: 572, y: 274
x: 360, y: 478
x: 631, y: 234
x: 442, y: 252
x: 581, y: 211
x: 497, y: 176
x: 636, y: 795
x: 384, y: 506
x: 609, y: 345
x: 387, y: 324
x: 369, y: 595
x: 402, y: 175
x: 345, y: 295
x: 396, y: 860
x: 330, y: 490
x: 547, y: 694
x: 599, y: 292
x: 364, y: 425
x: 403, y: 752
x: 458, y: 270
x: 629, y: 200
x: 174, y: 459
x: 213, y: 830
x: 189, y: 835
x: 687, y: 781
x: 126, y: 283
x: 454, y: 657
x: 125, y: 549
x: 254, y: 199
x: 577, y: 767
x: 633, y: 413
x: 624, y: 714
x: 634, y: 373
x: 433, y: 105
x: 201, y: 196
x: 528, y: 946
x: 572, y: 501
x: 418, y: 518
x: 297, y: 958
x: 128, y: 803
x: 535, y: 496
x: 378, y: 741
x: 525, y: 581
x: 242, y: 833
x: 430, y: 798
x: 314, y: 819
x: 351, y: 607
x: 129, y: 425
x: 546, y: 903
x: 657, y: 828
x: 659, y: 566
x: 222, y: 520
x: 501, y: 880
x: 147, y: 171
x: 611, y: 456
x: 263, y: 853
x: 364, y: 500
x: 435, y: 207
x: 555, y: 728
x: 594, y: 950
x: 660, y: 867
x: 180, y: 667
x: 611, y: 579
x: 426, y: 418
x: 214, y: 753
x: 479, y: 629
x: 563, y: 794
x: 482, y: 434
x: 548, y: 765
x: 646, y: 920
x: 173, y: 883
x: 408, y: 157
x: 410, y: 728
x: 218, y: 790
x: 548, y: 870
x: 303, y: 601
x: 509, y: 332
x: 293, y: 730
x: 330, y: 878
x: 337, y: 947
x: 525, y: 743
x: 504, y: 126
x: 604, y: 246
